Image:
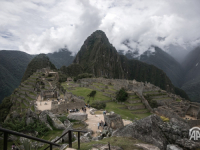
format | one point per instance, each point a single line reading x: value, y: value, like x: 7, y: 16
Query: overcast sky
x: 37, y: 26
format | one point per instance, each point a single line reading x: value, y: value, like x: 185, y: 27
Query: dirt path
x: 93, y: 121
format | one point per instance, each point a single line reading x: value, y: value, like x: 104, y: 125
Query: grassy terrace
x: 110, y: 106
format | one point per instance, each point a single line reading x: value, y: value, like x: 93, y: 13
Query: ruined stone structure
x: 167, y: 102
x: 193, y: 110
x: 113, y: 121
x: 49, y: 94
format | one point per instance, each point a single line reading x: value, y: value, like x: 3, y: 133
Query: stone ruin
x: 113, y: 121
x: 49, y: 94
x: 71, y: 102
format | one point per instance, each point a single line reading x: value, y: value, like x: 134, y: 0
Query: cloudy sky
x: 36, y: 26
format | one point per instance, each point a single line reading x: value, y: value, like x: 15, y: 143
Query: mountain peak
x: 38, y: 62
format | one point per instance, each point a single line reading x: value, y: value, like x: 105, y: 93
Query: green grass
x: 123, y: 142
x: 134, y: 104
x: 33, y: 108
x: 82, y: 91
x: 50, y: 136
x: 125, y: 113
x: 133, y: 99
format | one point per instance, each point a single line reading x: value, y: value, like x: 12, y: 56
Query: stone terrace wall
x: 193, y: 123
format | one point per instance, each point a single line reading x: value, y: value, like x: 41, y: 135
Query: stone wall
x: 167, y: 112
x: 114, y: 121
x: 193, y: 123
x: 193, y: 111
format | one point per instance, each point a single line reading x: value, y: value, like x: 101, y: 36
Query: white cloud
x: 37, y: 26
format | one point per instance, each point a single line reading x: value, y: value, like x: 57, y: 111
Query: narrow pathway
x: 93, y: 121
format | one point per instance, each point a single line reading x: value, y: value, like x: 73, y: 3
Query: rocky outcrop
x: 173, y: 147
x: 43, y: 118
x: 146, y: 129
x: 147, y: 146
x: 153, y: 130
x: 56, y: 122
x: 77, y: 116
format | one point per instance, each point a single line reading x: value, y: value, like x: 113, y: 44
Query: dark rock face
x: 153, y: 130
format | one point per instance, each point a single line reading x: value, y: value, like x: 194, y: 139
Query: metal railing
x: 51, y: 144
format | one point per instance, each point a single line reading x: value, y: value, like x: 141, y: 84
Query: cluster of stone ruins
x: 168, y: 107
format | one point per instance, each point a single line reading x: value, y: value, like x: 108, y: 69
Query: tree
x: 92, y: 94
x: 121, y: 95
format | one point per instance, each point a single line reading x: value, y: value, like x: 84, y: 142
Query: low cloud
x: 40, y: 26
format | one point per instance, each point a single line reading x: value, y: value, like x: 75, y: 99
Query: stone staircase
x: 134, y: 103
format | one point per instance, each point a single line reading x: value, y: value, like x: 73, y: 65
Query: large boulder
x: 77, y: 116
x: 189, y: 144
x: 29, y: 120
x: 66, y: 137
x: 146, y: 129
x: 56, y: 122
x: 31, y: 114
x: 43, y: 118
x: 173, y: 147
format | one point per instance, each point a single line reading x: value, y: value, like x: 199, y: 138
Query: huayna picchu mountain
x: 97, y: 56
x: 38, y: 62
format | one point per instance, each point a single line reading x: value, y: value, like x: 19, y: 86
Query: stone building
x: 113, y: 121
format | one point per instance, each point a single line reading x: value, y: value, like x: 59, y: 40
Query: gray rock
x: 67, y: 123
x: 173, y: 147
x: 15, y: 114
x: 43, y: 118
x: 186, y: 143
x: 147, y: 146
x: 63, y: 146
x: 59, y: 141
x: 29, y: 120
x: 84, y: 139
x: 56, y: 122
x: 66, y: 137
x: 12, y: 138
x: 77, y: 116
x: 92, y: 110
x: 146, y: 129
x: 97, y: 138
x: 32, y: 114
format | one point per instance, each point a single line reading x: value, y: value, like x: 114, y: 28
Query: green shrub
x: 121, y: 95
x: 92, y: 94
x: 63, y: 118
x: 153, y: 103
x: 98, y: 105
x: 20, y: 125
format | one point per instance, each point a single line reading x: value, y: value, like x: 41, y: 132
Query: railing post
x: 78, y: 140
x: 51, y: 147
x: 5, y: 141
x: 70, y: 138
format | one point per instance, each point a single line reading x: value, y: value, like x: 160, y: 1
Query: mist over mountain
x: 163, y: 61
x: 191, y: 64
x: 61, y: 58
